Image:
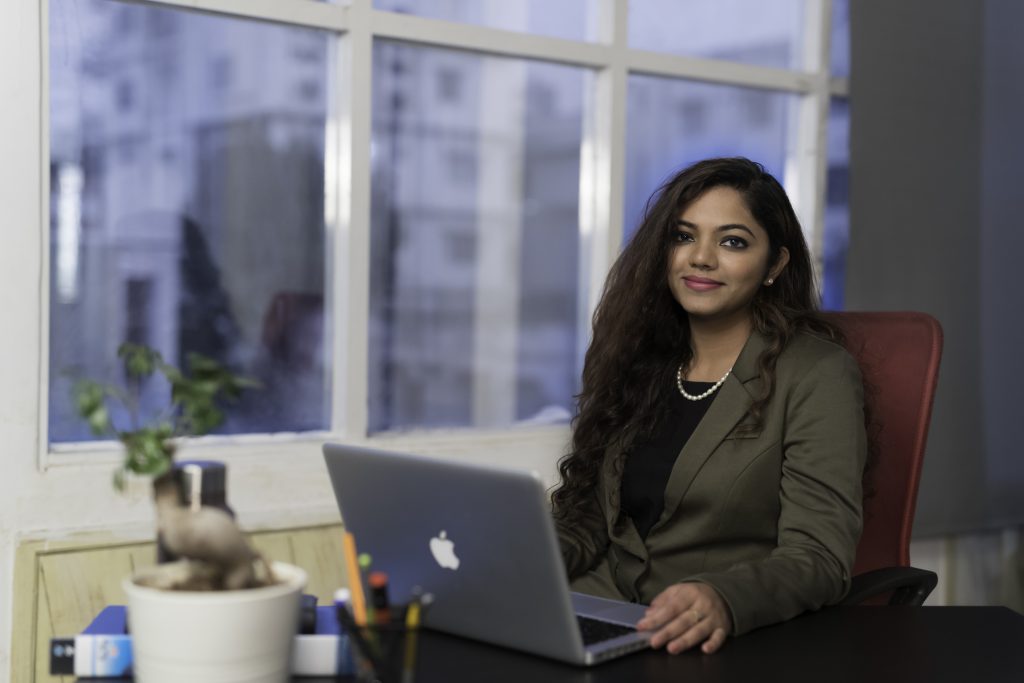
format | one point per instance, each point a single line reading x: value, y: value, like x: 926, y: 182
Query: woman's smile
x: 701, y: 284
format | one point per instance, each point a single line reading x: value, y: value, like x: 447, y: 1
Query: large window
x: 397, y: 214
x: 187, y: 195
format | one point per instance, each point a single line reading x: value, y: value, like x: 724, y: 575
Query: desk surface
x: 856, y: 644
x: 873, y: 644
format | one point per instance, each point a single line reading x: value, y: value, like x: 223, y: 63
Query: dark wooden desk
x: 872, y: 644
x: 836, y: 645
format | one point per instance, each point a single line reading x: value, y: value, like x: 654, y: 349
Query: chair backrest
x: 899, y: 357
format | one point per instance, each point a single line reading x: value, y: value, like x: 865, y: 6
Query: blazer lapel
x: 729, y: 407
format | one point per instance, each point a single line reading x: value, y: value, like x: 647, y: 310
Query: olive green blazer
x: 769, y: 518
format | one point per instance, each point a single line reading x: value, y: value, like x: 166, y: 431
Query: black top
x: 650, y: 462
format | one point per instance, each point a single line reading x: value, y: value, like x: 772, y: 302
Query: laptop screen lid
x: 479, y: 538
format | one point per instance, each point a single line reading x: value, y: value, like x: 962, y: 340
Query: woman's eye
x: 735, y: 242
x: 681, y: 236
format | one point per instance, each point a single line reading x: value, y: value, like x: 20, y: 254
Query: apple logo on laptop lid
x: 443, y: 550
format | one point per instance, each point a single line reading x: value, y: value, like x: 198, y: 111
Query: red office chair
x: 899, y: 357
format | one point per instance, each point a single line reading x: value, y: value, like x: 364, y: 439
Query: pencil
x: 355, y: 579
x: 412, y: 625
x: 364, y: 561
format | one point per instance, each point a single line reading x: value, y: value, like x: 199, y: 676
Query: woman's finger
x: 665, y: 607
x: 675, y: 627
x: 713, y: 643
x: 696, y: 634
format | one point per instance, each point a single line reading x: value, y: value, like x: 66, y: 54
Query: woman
x: 718, y: 448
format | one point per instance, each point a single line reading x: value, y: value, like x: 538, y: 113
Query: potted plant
x: 221, y: 612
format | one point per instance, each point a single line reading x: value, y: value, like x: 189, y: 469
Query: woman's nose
x: 702, y: 255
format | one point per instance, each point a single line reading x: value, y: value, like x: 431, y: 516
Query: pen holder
x: 385, y: 651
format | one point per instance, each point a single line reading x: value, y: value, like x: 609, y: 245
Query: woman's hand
x: 685, y: 615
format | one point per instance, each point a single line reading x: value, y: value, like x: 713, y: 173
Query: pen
x: 355, y: 579
x: 379, y: 597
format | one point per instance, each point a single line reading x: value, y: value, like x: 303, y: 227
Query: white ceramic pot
x: 215, y: 636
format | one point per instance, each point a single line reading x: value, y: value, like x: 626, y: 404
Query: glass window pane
x: 748, y: 31
x: 474, y: 243
x: 187, y: 203
x: 840, y: 41
x: 673, y: 123
x: 569, y: 19
x: 837, y: 204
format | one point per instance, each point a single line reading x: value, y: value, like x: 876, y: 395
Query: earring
x: 769, y: 282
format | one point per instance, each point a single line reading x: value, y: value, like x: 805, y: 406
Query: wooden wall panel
x: 274, y: 545
x: 80, y: 584
x: 44, y: 631
x: 319, y: 552
x: 74, y: 587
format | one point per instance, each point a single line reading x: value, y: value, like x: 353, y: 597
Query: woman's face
x: 720, y: 257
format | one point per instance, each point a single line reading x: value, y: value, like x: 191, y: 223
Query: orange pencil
x: 355, y: 579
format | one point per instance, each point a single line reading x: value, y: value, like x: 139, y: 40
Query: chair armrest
x: 909, y: 586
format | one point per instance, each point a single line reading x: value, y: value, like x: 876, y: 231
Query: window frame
x: 609, y: 61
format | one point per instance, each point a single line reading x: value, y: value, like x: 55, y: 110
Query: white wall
x: 19, y: 282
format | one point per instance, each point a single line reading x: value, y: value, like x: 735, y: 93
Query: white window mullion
x: 602, y: 168
x: 717, y: 71
x: 352, y: 248
x: 806, y: 163
x: 294, y: 12
x: 493, y: 41
x: 43, y: 426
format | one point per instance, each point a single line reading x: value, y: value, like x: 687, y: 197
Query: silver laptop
x: 482, y: 541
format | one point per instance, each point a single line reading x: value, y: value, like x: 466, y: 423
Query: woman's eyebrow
x: 720, y: 228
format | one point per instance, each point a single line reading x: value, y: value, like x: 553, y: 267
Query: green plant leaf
x: 139, y: 361
x: 193, y: 411
x: 99, y: 420
x: 148, y: 451
x: 90, y: 403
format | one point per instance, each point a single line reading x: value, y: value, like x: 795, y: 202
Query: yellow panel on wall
x: 44, y: 631
x: 80, y: 584
x: 318, y: 551
x: 273, y: 545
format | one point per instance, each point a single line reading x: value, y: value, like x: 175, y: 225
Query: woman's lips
x: 701, y: 284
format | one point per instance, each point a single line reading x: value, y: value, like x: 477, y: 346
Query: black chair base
x: 909, y: 586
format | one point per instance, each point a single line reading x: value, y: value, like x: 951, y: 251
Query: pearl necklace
x: 698, y: 397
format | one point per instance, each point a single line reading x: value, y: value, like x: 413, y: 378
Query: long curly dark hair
x: 641, y: 334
